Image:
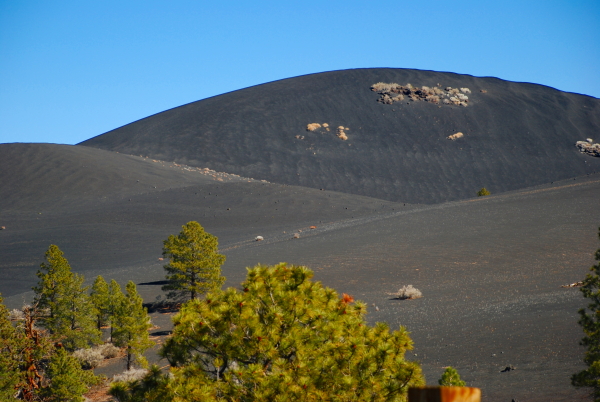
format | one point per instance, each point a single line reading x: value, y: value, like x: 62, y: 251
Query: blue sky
x: 70, y: 70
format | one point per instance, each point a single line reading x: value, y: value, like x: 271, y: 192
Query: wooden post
x: 444, y: 394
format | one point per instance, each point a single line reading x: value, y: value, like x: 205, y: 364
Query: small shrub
x: 465, y: 90
x: 89, y: 358
x: 408, y: 293
x: 109, y: 351
x: 325, y: 125
x: 130, y: 375
x: 483, y: 192
x: 16, y: 315
x: 451, y: 378
x: 312, y: 126
x: 398, y: 98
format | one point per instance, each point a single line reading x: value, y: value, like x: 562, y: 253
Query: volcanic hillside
x: 391, y: 147
x: 490, y: 268
x: 110, y: 212
x: 342, y: 201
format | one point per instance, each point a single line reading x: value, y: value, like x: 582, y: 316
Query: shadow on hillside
x: 155, y: 283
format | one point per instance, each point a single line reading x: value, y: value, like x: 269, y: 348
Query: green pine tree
x: 32, y: 349
x: 451, y: 378
x: 483, y: 192
x: 68, y: 381
x: 10, y: 350
x: 195, y: 264
x: 116, y: 298
x: 590, y: 322
x: 69, y: 312
x: 101, y: 300
x: 76, y: 317
x: 54, y: 276
x: 131, y: 324
x: 285, y: 337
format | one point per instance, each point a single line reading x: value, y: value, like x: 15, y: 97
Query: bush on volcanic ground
x: 451, y: 378
x: 284, y: 337
x: 483, y: 192
x: 407, y: 292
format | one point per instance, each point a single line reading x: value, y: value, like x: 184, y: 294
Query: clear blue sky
x: 70, y: 70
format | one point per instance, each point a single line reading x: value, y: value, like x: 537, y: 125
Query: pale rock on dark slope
x: 516, y: 135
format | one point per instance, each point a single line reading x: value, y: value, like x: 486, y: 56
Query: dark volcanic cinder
x: 515, y: 135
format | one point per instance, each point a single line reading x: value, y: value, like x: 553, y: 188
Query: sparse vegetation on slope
x: 284, y: 337
x: 483, y: 192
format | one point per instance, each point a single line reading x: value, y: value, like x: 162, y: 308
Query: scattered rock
x: 573, y: 285
x: 392, y: 92
x: 313, y: 227
x: 508, y: 368
x: 2, y: 227
x: 296, y: 236
x: 258, y: 238
x: 587, y: 147
x: 341, y: 134
x: 455, y: 136
x: 160, y: 258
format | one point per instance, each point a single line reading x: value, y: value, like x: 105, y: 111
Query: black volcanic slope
x: 110, y: 212
x: 516, y: 135
x: 490, y: 268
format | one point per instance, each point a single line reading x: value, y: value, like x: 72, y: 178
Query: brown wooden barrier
x: 444, y: 394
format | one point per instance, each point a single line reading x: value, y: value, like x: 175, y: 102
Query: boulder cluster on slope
x: 588, y: 147
x: 393, y: 92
